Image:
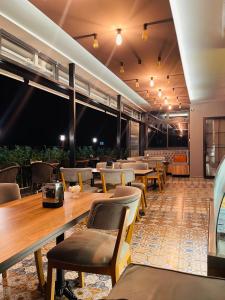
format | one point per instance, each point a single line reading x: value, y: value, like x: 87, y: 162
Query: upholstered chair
x: 10, y: 192
x: 111, y: 178
x: 82, y: 176
x: 93, y: 250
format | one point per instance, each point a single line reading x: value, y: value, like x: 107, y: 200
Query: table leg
x: 62, y: 287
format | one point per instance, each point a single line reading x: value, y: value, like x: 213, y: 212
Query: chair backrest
x: 72, y: 174
x: 106, y: 214
x: 8, y: 175
x: 41, y: 172
x: 111, y: 176
x: 101, y: 165
x: 128, y: 175
x: 135, y: 166
x: 9, y: 192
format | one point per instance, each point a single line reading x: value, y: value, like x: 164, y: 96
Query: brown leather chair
x: 9, y: 174
x: 41, y: 172
x: 92, y: 250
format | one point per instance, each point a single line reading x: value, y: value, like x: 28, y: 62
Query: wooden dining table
x: 25, y: 226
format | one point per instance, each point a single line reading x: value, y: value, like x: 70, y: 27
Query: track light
x: 159, y: 61
x: 122, y: 67
x: 144, y: 33
x: 137, y: 83
x: 119, y: 38
x: 95, y: 42
x: 160, y: 93
x: 152, y: 82
x: 170, y: 107
x: 168, y: 78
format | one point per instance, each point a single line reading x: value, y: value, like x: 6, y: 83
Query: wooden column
x: 118, y: 135
x: 72, y: 115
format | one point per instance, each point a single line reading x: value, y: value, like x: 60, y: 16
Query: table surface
x: 25, y: 226
x: 136, y: 172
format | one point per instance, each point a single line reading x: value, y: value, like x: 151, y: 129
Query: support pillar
x: 72, y: 115
x: 118, y: 135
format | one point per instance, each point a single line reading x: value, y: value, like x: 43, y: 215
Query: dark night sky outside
x: 30, y: 116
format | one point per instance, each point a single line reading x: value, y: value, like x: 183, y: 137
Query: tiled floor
x: 173, y: 235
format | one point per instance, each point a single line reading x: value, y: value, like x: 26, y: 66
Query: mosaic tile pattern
x: 172, y: 235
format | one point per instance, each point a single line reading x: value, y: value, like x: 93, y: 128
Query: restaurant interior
x: 112, y: 149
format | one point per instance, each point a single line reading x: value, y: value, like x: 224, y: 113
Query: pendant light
x: 95, y: 42
x: 119, y: 38
x: 152, y: 82
x: 160, y: 93
x: 122, y: 67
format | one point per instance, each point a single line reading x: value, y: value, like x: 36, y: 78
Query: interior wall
x: 197, y: 113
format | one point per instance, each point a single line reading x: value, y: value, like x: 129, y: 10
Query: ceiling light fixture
x: 170, y: 107
x: 174, y: 90
x: 160, y: 107
x: 137, y: 83
x: 165, y: 101
x: 122, y: 67
x: 119, y: 38
x: 159, y: 61
x: 147, y: 94
x: 144, y: 33
x: 155, y: 102
x: 152, y: 82
x: 160, y: 93
x: 145, y: 27
x: 177, y: 99
x: 95, y: 42
x: 168, y: 78
x: 180, y: 106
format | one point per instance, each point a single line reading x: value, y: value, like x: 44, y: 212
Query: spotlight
x: 119, y: 38
x: 95, y: 42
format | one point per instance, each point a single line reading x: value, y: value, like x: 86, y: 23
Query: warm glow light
x: 94, y: 140
x: 165, y: 101
x: 137, y: 83
x: 160, y: 107
x: 159, y: 61
x: 144, y: 33
x: 168, y: 78
x: 160, y: 93
x: 152, y: 82
x: 119, y: 38
x: 147, y: 94
x: 170, y: 107
x: 122, y: 67
x: 180, y: 106
x: 95, y: 42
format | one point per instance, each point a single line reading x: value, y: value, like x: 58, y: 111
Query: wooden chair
x: 41, y: 173
x: 92, y: 250
x: 82, y: 176
x: 111, y: 178
x: 157, y: 175
x: 10, y: 192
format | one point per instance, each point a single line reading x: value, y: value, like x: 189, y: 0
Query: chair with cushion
x: 157, y: 175
x: 10, y: 192
x: 139, y: 282
x: 93, y: 250
x: 41, y: 173
x: 115, y: 165
x: 111, y: 178
x: 9, y: 174
x: 82, y: 176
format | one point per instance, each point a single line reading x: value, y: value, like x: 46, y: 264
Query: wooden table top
x: 25, y: 226
x: 136, y: 172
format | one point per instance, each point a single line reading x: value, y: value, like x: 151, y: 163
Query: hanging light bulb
x: 95, y: 42
x: 119, y: 38
x: 152, y: 82
x: 180, y: 106
x: 137, y: 83
x: 144, y: 35
x: 168, y: 78
x: 170, y: 107
x: 159, y: 61
x: 147, y: 94
x: 122, y: 67
x: 177, y: 99
x: 160, y: 93
x: 165, y: 101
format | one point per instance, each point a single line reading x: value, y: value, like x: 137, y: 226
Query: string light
x: 152, y: 82
x: 122, y: 67
x: 95, y: 42
x: 119, y: 38
x: 144, y: 33
x: 137, y: 83
x: 160, y: 93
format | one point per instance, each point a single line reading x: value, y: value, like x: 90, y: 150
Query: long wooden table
x: 25, y: 226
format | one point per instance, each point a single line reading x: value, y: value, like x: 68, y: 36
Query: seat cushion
x: 143, y: 282
x: 86, y: 248
x: 138, y: 185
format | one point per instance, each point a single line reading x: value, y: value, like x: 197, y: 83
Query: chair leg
x: 50, y: 291
x: 142, y: 202
x: 115, y: 275
x: 81, y: 279
x: 129, y: 260
x: 39, y: 267
x: 145, y: 201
